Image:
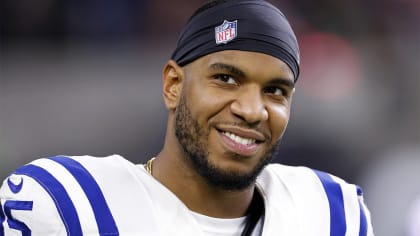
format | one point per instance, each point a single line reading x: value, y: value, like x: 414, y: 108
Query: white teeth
x: 240, y: 140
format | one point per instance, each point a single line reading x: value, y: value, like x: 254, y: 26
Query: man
x: 228, y: 89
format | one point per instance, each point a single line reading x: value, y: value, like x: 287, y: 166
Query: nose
x: 249, y: 106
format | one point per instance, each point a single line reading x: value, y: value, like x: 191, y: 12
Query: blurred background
x: 84, y: 77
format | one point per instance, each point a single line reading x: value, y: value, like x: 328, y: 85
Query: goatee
x: 193, y: 140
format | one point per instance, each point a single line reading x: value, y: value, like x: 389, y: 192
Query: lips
x: 238, y: 139
x: 244, y: 142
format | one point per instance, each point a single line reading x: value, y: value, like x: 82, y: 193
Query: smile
x: 244, y: 146
x: 238, y: 139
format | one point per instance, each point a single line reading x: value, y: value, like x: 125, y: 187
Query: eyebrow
x: 282, y: 81
x: 231, y: 69
x: 238, y: 72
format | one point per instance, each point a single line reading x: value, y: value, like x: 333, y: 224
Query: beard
x: 193, y: 140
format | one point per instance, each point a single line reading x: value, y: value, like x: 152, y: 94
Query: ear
x: 173, y: 76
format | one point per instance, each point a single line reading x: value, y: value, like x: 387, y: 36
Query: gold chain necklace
x: 149, y: 165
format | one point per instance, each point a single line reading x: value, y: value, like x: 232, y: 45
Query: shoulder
x: 52, y: 196
x: 295, y: 177
x: 318, y: 195
x: 58, y: 173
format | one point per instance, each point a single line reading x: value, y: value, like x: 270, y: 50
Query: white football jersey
x: 111, y: 196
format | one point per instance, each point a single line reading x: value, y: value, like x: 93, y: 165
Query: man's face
x: 232, y: 113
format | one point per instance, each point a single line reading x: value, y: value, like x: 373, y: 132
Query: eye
x: 226, y: 78
x: 277, y: 91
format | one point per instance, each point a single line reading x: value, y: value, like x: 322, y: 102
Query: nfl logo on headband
x: 226, y: 32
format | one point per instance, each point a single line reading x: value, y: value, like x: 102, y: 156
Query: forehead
x: 252, y: 63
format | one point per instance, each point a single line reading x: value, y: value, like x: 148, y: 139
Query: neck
x: 172, y: 169
x: 199, y: 196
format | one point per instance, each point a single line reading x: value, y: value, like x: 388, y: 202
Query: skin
x: 244, y: 93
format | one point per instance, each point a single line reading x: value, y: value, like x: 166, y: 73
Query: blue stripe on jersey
x: 103, y: 216
x: 336, y: 202
x: 363, y: 220
x: 58, y: 193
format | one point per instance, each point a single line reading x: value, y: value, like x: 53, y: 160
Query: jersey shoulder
x: 300, y: 177
x: 58, y: 196
x: 319, y: 198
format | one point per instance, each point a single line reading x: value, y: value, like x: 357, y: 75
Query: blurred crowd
x: 83, y: 77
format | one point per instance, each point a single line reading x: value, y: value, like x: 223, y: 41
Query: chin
x: 232, y: 175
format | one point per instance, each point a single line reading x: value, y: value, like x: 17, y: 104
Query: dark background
x: 84, y: 77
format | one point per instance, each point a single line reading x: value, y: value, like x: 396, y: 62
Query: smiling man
x: 228, y: 89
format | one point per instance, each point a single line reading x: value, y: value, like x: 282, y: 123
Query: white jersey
x: 112, y: 196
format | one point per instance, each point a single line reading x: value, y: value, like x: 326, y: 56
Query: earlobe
x: 173, y: 76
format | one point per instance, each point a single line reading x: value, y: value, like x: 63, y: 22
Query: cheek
x: 206, y: 104
x: 279, y: 118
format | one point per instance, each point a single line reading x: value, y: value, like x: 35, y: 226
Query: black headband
x: 247, y: 25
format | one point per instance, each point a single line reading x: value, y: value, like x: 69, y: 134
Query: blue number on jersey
x: 16, y: 224
x: 2, y: 218
x: 10, y: 205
